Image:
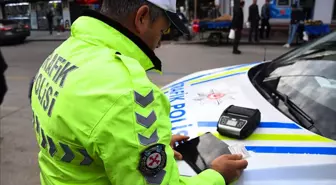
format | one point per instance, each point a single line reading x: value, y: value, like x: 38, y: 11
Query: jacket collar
x: 98, y: 29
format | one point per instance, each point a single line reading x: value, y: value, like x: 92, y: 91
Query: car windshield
x: 307, y: 77
x: 326, y: 43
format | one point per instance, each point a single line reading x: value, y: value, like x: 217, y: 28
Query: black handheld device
x: 199, y: 152
x: 238, y: 122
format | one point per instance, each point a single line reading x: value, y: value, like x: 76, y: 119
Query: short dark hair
x: 119, y: 10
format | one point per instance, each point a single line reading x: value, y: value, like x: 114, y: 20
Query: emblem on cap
x: 152, y: 160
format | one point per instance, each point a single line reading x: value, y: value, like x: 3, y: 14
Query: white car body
x: 281, y: 151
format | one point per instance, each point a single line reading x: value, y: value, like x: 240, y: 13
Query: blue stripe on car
x: 262, y: 125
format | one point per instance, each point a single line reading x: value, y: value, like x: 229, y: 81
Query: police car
x: 295, y: 93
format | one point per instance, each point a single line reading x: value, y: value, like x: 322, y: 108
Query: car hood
x: 281, y: 151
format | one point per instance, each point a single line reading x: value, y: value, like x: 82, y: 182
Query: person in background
x: 307, y: 6
x: 254, y: 18
x: 182, y: 16
x: 3, y: 84
x: 50, y: 18
x: 296, y: 17
x: 62, y: 25
x: 58, y: 24
x: 237, y: 23
x: 217, y: 4
x: 301, y: 27
x: 182, y: 10
x: 212, y: 11
x: 265, y: 17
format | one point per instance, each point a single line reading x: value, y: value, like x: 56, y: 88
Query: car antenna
x: 265, y: 50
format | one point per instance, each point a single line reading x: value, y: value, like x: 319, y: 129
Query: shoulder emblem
x: 152, y: 160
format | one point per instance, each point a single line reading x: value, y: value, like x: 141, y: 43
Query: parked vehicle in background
x: 12, y: 30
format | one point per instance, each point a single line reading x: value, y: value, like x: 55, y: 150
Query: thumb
x: 240, y: 164
x: 180, y: 137
x: 235, y: 157
x: 177, y: 155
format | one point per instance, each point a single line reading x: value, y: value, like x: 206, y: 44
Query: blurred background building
x: 33, y: 12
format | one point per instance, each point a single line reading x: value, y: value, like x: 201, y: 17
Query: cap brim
x: 177, y: 22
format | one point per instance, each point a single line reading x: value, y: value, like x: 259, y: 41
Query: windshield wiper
x: 300, y: 116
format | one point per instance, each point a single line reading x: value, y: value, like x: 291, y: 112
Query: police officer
x: 237, y: 24
x: 98, y: 118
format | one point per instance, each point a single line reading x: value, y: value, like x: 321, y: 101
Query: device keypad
x: 241, y: 123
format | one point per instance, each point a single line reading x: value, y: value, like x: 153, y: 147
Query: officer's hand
x: 177, y: 138
x: 230, y: 166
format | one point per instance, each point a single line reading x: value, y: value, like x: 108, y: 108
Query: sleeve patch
x: 153, y: 160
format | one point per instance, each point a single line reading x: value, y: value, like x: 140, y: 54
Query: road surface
x: 18, y: 146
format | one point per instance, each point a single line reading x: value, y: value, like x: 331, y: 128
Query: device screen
x: 232, y: 123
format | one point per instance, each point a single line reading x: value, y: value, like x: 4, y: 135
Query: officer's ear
x: 142, y: 19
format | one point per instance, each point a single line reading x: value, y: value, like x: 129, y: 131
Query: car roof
x: 6, y: 21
